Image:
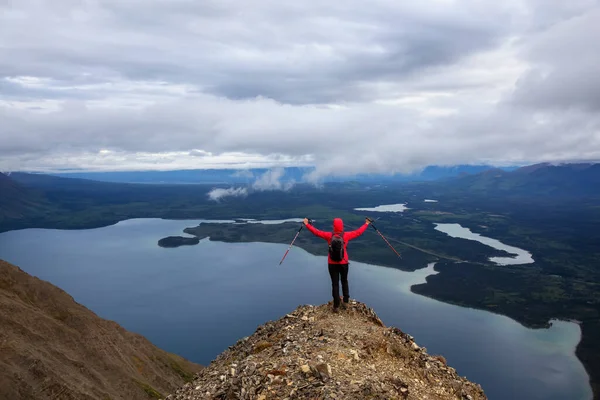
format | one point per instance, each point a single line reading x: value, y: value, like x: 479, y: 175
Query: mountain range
x: 39, y: 200
x: 289, y: 174
x: 17, y: 201
x: 539, y: 179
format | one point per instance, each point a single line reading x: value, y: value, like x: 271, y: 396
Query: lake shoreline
x: 441, y: 299
x: 518, y: 256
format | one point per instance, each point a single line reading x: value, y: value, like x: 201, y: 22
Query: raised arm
x: 316, y: 232
x: 354, y: 234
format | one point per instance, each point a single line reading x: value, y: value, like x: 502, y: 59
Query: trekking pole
x: 291, y: 244
x: 383, y: 237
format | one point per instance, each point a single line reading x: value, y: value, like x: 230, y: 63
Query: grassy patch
x: 150, y: 391
x: 139, y: 364
x: 187, y: 376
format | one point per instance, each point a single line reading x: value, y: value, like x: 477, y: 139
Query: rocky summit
x: 314, y: 353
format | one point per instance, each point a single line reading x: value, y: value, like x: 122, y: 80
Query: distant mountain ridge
x: 247, y: 176
x: 38, y: 200
x: 562, y: 180
x: 17, y: 201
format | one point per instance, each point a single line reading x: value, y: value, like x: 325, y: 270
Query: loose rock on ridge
x: 313, y: 353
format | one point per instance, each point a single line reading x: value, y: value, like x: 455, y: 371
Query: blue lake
x: 197, y: 300
x: 520, y: 256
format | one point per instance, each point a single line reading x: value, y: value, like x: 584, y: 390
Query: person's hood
x: 338, y: 225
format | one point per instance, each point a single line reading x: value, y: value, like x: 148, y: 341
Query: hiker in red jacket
x: 338, y: 255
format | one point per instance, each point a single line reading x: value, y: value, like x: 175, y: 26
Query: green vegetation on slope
x: 18, y: 203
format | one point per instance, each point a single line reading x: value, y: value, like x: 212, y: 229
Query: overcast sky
x: 348, y: 86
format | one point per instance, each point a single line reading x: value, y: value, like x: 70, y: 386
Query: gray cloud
x: 268, y: 181
x: 243, y: 173
x: 298, y: 54
x: 219, y: 194
x: 200, y: 153
x: 564, y: 65
x: 353, y: 87
x: 271, y: 180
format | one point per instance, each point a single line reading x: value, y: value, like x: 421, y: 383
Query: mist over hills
x: 288, y: 174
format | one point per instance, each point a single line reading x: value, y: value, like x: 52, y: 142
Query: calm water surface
x: 459, y: 231
x: 197, y: 300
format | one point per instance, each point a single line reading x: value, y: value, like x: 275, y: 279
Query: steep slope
x: 566, y: 180
x: 54, y: 348
x: 313, y: 353
x: 15, y: 200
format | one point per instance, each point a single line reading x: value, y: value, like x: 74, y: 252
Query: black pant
x: 336, y: 271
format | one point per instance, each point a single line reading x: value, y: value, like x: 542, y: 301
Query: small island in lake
x: 176, y: 241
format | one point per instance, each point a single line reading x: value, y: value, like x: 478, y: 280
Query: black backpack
x: 336, y: 247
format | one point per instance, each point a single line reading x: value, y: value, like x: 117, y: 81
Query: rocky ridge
x: 314, y: 353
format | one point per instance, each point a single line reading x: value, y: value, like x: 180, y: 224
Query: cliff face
x: 54, y: 348
x: 314, y: 353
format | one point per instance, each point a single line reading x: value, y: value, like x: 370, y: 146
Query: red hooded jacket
x: 338, y: 227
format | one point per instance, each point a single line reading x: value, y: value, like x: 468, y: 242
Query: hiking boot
x: 336, y: 310
x: 344, y: 306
